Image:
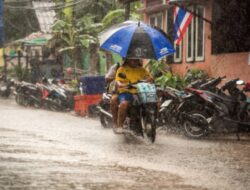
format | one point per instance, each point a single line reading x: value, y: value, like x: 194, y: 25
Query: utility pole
x: 127, y: 10
x: 126, y: 4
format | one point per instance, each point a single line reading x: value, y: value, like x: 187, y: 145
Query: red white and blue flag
x: 182, y: 19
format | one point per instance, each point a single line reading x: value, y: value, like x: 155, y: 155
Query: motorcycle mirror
x: 122, y: 75
x: 240, y: 82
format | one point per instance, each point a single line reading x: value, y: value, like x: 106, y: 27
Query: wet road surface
x: 40, y: 149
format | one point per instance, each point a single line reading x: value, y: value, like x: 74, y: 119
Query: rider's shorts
x: 126, y: 97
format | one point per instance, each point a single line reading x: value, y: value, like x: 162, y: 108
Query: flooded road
x: 40, y: 149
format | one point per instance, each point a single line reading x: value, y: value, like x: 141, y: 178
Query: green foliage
x: 194, y: 74
x: 19, y: 23
x: 97, y: 8
x: 113, y: 17
x: 118, y: 15
x: 156, y: 68
x: 164, y: 77
x: 169, y: 79
x: 82, y: 33
x: 19, y: 72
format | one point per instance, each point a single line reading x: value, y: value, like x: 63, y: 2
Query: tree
x: 73, y: 36
x: 19, y: 22
x: 82, y: 30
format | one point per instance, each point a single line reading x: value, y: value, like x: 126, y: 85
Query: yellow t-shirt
x: 132, y: 76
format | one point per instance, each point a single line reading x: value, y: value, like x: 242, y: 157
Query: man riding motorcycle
x: 134, y: 72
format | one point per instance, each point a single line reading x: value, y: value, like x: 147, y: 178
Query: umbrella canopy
x: 133, y: 39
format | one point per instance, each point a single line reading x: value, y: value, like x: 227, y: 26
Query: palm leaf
x: 113, y: 17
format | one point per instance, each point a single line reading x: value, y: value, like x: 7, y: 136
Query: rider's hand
x: 149, y: 79
x: 129, y: 86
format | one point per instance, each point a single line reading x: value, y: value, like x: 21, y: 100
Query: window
x: 156, y: 20
x: 231, y: 26
x: 195, y: 37
x: 178, y: 53
x: 199, y: 53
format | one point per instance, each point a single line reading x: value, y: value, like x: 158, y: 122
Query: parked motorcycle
x: 171, y: 99
x: 44, y: 94
x: 27, y: 94
x: 175, y: 103
x: 55, y: 97
x: 5, y: 87
x: 217, y: 109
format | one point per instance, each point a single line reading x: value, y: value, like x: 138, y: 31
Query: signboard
x: 1, y: 23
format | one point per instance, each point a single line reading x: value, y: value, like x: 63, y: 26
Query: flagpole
x: 193, y: 13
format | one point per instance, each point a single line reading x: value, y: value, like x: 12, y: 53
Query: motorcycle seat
x: 222, y: 97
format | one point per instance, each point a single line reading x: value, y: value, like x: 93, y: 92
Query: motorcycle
x: 27, y: 94
x: 104, y: 110
x: 171, y: 99
x: 141, y: 118
x: 217, y: 109
x: 55, y: 97
x: 175, y: 103
x: 5, y: 88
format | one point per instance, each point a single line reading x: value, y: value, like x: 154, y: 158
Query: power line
x: 55, y: 7
x: 17, y: 1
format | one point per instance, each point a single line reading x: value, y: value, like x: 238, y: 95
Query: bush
x: 20, y: 72
x: 164, y: 77
x: 194, y: 74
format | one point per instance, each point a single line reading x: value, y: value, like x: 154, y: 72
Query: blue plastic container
x: 92, y: 84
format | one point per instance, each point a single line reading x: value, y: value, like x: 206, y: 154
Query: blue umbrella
x: 133, y: 39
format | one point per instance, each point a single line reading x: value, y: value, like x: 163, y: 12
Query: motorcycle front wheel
x: 194, y: 128
x: 106, y: 121
x: 149, y: 128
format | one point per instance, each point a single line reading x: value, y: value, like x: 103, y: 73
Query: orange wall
x: 232, y: 65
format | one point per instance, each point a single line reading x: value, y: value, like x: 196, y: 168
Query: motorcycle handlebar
x: 229, y: 84
x: 212, y: 83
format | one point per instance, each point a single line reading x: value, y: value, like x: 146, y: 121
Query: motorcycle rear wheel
x: 193, y: 130
x: 18, y: 99
x: 54, y: 105
x: 22, y: 100
x: 37, y: 104
x: 244, y: 116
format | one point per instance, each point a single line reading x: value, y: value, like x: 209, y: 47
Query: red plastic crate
x: 82, y: 103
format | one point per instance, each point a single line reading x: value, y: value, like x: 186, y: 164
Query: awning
x: 37, y: 42
x: 36, y: 39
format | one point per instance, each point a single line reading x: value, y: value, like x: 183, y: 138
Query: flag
x: 182, y: 18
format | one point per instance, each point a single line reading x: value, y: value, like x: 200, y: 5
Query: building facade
x: 217, y: 39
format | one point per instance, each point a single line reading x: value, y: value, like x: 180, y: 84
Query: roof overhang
x: 185, y: 2
x: 127, y: 1
x: 153, y: 9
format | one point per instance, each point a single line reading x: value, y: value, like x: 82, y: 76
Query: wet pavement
x: 41, y: 149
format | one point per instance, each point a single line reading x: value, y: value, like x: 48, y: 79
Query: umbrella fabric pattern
x: 133, y: 39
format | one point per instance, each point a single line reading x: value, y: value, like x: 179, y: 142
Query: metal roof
x: 45, y: 17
